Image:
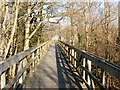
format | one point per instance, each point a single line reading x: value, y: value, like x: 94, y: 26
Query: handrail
x: 104, y: 65
x: 20, y: 59
x: 7, y: 63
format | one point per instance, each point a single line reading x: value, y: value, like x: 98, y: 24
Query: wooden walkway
x: 53, y: 72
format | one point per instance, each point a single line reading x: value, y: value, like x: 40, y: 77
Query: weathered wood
x: 107, y: 66
x: 88, y: 73
x: 84, y: 66
x: 18, y: 60
x: 7, y: 63
x: 89, y: 68
x: 102, y: 79
x: 20, y: 73
x: 103, y: 64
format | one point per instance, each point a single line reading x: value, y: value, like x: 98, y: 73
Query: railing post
x: 24, y: 64
x: 13, y: 70
x: 41, y: 50
x: 89, y: 68
x: 3, y: 80
x: 37, y: 53
x: 33, y: 56
x: 102, y: 79
x: 84, y: 60
x: 70, y: 55
x: 19, y: 68
x: 67, y: 51
x: 75, y: 55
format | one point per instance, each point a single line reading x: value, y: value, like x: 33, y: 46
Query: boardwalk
x: 63, y: 66
x: 53, y: 72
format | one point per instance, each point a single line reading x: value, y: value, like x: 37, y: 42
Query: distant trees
x: 91, y: 26
x: 96, y: 28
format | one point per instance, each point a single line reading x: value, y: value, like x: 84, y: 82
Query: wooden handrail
x: 103, y: 64
x: 7, y: 63
x: 17, y: 59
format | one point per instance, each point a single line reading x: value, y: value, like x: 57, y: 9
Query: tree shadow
x: 67, y: 78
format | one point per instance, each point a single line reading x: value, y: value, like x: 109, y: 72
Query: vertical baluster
x: 40, y: 52
x: 67, y: 51
x: 70, y: 55
x: 102, y: 79
x: 33, y: 55
x: 37, y: 53
x: 19, y: 68
x: 75, y: 55
x: 13, y: 70
x: 3, y: 80
x: 93, y: 85
x: 89, y: 68
x: 24, y: 64
x: 84, y: 60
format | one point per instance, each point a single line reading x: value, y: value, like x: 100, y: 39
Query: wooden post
x: 19, y: 68
x: 33, y: 55
x: 93, y: 85
x: 89, y: 68
x: 102, y: 79
x: 13, y: 70
x: 37, y: 53
x: 3, y: 80
x: 24, y: 62
x: 41, y: 51
x: 70, y: 54
x: 84, y: 60
x: 75, y: 55
x: 67, y: 51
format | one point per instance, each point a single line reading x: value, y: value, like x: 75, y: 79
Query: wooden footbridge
x: 55, y: 65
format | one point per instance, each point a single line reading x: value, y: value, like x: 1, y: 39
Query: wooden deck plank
x: 53, y: 72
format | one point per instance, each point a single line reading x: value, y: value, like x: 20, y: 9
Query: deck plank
x: 53, y: 72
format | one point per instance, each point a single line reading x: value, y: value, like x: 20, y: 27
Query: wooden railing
x: 18, y: 66
x: 84, y: 63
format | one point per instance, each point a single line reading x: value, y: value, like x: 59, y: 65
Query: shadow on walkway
x: 66, y: 77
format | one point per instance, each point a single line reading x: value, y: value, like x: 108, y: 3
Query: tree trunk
x: 107, y: 30
x: 26, y: 46
x: 2, y: 44
x: 118, y: 38
x: 107, y: 13
x: 0, y: 30
x: 13, y: 29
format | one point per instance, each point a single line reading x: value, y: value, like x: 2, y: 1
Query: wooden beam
x: 7, y: 63
x: 103, y: 64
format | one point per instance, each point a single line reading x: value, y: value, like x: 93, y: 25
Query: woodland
x: 90, y: 26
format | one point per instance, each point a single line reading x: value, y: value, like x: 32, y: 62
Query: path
x: 53, y: 72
